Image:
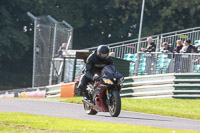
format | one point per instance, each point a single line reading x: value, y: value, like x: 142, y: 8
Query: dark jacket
x: 178, y: 48
x: 95, y: 64
x: 150, y: 48
x: 169, y: 49
x: 190, y: 49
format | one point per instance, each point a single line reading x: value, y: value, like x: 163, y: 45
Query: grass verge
x: 184, y: 108
x: 19, y: 122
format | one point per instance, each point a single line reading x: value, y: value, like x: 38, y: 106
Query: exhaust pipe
x: 87, y: 102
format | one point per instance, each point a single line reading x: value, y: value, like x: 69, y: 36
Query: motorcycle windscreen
x: 108, y: 71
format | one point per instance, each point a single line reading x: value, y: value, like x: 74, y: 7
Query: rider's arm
x: 88, y: 67
x: 110, y: 61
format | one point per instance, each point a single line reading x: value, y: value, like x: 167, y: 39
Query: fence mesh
x: 49, y: 37
x: 44, y: 47
x: 62, y: 37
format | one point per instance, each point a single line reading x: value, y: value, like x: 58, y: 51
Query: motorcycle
x: 104, y: 94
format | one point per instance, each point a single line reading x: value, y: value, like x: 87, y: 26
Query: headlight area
x: 107, y: 81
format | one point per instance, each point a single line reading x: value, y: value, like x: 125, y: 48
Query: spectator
x: 187, y: 48
x: 151, y: 46
x: 197, y: 50
x: 112, y: 54
x: 186, y: 61
x: 197, y: 46
x: 167, y: 48
x: 179, y: 46
x: 61, y: 49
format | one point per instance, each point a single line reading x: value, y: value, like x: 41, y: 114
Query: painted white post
x: 141, y: 19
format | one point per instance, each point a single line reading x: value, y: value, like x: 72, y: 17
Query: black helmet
x: 103, y: 49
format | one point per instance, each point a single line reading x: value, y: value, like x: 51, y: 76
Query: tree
x: 95, y: 22
x: 13, y: 41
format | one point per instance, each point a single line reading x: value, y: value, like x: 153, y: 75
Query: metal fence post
x: 141, y: 19
x: 69, y: 44
x: 53, y: 51
x: 34, y: 46
x: 158, y: 47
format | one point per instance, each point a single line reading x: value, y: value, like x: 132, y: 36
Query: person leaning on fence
x: 187, y: 48
x: 186, y: 61
x: 197, y: 46
x: 167, y: 48
x: 61, y: 49
x: 151, y: 47
x: 179, y: 46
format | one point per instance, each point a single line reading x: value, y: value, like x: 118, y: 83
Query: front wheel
x: 114, y: 106
x: 89, y: 110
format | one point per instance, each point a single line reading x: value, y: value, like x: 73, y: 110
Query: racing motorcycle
x: 104, y: 94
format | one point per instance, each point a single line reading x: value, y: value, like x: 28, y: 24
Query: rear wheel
x: 89, y: 110
x: 114, y: 105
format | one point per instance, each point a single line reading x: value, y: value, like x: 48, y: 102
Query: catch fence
x: 49, y: 36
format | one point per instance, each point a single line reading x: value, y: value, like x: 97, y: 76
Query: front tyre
x: 114, y: 105
x: 89, y: 110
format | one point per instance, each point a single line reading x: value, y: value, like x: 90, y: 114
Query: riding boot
x: 85, y: 94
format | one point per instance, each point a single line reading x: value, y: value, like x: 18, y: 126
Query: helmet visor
x: 104, y: 55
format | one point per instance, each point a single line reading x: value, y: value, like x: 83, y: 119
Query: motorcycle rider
x: 94, y: 64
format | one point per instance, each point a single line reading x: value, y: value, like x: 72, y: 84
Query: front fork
x: 108, y: 94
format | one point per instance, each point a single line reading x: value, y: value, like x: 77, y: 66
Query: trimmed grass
x: 12, y: 128
x: 19, y: 122
x: 184, y: 108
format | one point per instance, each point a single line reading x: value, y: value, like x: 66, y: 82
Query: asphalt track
x: 76, y: 111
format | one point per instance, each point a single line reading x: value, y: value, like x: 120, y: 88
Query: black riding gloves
x: 96, y: 78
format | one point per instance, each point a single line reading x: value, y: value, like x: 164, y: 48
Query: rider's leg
x: 83, y: 85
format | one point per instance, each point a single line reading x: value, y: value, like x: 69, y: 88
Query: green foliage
x: 95, y: 22
x: 14, y: 43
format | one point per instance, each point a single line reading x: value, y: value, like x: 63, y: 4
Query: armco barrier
x: 33, y: 93
x: 178, y: 85
x: 53, y: 91
x: 63, y: 90
x: 39, y: 92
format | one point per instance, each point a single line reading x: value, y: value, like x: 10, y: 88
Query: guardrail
x: 53, y: 91
x: 63, y: 90
x: 163, y: 85
x: 39, y: 92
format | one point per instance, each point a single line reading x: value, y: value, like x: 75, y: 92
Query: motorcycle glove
x: 96, y: 78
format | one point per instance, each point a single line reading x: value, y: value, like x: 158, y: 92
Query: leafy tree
x: 14, y: 43
x: 95, y: 22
